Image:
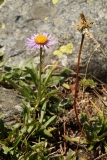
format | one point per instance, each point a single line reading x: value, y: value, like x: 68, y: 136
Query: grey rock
x: 10, y: 105
x: 24, y: 18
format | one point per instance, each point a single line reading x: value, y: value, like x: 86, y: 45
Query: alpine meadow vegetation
x: 53, y: 124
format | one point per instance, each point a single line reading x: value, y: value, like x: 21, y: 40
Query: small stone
x: 104, y: 98
x: 19, y: 108
x: 101, y: 14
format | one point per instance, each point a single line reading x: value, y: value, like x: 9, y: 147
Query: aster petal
x: 50, y: 37
x: 38, y: 46
x: 33, y: 47
x: 30, y: 43
x: 35, y: 35
x: 45, y: 34
x: 51, y: 43
x: 45, y: 47
x: 28, y: 39
x: 49, y: 47
x: 32, y: 37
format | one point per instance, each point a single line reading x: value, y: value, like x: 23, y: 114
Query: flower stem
x: 76, y: 83
x: 40, y: 72
x: 39, y: 85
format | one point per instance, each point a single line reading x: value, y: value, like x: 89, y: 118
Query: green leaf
x: 22, y: 83
x: 47, y: 133
x: 23, y: 130
x: 51, y: 93
x: 1, y: 77
x: 6, y: 149
x: 3, y: 63
x: 91, y: 147
x: 18, y: 139
x: 54, y: 80
x: 66, y: 85
x: 30, y: 128
x: 92, y: 129
x: 26, y: 113
x: 1, y: 57
x: 25, y: 91
x: 34, y: 74
x: 52, y: 129
x: 21, y: 157
x: 49, y: 121
x: 1, y: 54
x: 49, y: 74
x: 43, y: 110
x: 71, y: 155
x: 7, y: 69
x: 8, y: 75
x: 102, y: 136
x: 16, y: 73
x: 83, y: 118
x: 76, y: 139
x: 17, y: 125
x: 38, y: 145
x: 1, y: 115
x: 32, y: 156
x: 12, y: 83
x: 105, y: 147
x: 65, y: 71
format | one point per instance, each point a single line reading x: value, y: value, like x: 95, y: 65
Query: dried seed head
x: 83, y: 23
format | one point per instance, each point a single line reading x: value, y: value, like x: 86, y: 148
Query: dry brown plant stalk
x: 82, y: 25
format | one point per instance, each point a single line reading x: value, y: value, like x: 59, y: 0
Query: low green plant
x: 95, y: 129
x: 87, y: 83
x: 29, y: 138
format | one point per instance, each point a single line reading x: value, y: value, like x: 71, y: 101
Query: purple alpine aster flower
x: 40, y: 41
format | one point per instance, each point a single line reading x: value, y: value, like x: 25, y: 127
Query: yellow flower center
x: 41, y: 39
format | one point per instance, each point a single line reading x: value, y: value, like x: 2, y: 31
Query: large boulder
x: 22, y: 18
